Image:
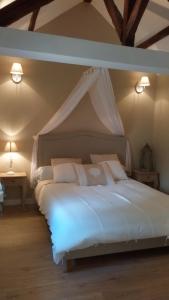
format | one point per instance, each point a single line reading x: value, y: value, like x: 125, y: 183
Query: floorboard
x: 27, y: 270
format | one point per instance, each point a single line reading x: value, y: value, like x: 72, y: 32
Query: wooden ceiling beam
x: 135, y: 17
x: 33, y: 20
x: 115, y: 16
x: 155, y: 38
x: 31, y: 45
x: 18, y: 9
x: 128, y: 7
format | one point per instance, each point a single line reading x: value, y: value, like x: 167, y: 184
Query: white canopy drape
x: 97, y: 82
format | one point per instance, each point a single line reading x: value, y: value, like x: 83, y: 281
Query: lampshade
x: 144, y: 81
x: 11, y: 147
x: 16, y: 69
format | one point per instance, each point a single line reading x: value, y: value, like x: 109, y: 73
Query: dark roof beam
x: 155, y: 38
x: 18, y: 9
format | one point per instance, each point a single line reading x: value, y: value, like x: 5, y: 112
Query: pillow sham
x: 56, y: 161
x: 96, y: 158
x: 90, y: 174
x: 44, y: 173
x: 64, y: 173
x: 116, y: 169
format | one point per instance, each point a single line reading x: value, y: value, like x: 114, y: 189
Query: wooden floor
x: 28, y: 272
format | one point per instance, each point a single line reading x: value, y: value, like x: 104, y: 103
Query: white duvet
x: 79, y: 217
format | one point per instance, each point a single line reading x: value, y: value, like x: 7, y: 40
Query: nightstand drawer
x: 150, y: 178
x: 12, y: 181
x: 17, y: 180
x: 146, y: 178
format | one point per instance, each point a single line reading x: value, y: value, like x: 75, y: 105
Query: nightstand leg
x: 157, y: 182
x: 23, y: 193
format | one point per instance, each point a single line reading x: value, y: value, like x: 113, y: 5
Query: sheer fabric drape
x: 97, y: 82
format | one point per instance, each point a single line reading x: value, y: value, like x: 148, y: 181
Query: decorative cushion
x: 64, y: 173
x: 56, y: 161
x: 96, y: 158
x: 91, y: 174
x: 44, y: 173
x: 116, y: 169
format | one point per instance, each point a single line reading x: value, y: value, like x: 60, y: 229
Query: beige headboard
x: 79, y: 144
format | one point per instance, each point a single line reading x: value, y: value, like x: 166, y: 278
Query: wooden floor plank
x: 27, y: 270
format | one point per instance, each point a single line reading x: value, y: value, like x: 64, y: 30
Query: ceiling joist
x: 18, y: 9
x: 155, y: 38
x: 35, y: 45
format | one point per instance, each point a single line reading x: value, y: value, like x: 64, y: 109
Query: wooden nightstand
x: 16, y: 180
x: 150, y: 178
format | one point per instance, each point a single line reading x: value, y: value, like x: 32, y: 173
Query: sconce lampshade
x: 144, y: 81
x: 16, y: 72
x: 140, y: 86
x: 16, y: 69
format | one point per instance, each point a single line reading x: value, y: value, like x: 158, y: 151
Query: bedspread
x: 79, y: 217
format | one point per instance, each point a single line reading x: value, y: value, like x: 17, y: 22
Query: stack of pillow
x: 105, y: 169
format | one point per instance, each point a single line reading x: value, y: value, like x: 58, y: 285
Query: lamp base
x: 10, y: 172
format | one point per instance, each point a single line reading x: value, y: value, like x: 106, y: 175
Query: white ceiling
x: 155, y: 18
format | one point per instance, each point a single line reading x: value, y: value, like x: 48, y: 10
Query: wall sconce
x: 11, y: 148
x: 16, y: 72
x: 140, y: 86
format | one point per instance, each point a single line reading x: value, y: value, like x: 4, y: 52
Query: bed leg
x: 68, y: 265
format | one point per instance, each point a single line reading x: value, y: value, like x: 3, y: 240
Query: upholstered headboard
x: 79, y: 144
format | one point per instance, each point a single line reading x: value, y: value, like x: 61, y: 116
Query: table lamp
x: 11, y: 148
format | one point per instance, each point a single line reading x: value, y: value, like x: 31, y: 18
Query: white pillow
x: 44, y: 173
x: 108, y: 173
x: 97, y: 158
x: 64, y: 173
x: 117, y: 170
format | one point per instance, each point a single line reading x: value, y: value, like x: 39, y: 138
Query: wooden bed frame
x: 82, y: 144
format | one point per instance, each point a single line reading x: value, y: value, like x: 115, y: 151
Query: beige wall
x: 136, y: 109
x: 25, y: 108
x: 82, y: 21
x: 161, y: 130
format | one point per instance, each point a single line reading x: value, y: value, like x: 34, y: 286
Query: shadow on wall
x: 161, y: 135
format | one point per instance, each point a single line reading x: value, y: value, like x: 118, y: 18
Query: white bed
x: 80, y: 217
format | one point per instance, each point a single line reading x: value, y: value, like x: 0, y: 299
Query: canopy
x: 97, y: 82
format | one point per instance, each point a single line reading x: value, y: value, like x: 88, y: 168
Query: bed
x: 97, y: 220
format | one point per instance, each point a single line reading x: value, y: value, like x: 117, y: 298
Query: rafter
x: 18, y: 9
x: 33, y: 20
x: 115, y: 16
x: 155, y: 38
x: 128, y: 7
x: 135, y: 17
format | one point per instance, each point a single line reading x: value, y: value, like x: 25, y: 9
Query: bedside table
x: 16, y: 180
x: 151, y: 178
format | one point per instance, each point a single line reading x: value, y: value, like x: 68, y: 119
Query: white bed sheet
x: 79, y: 217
